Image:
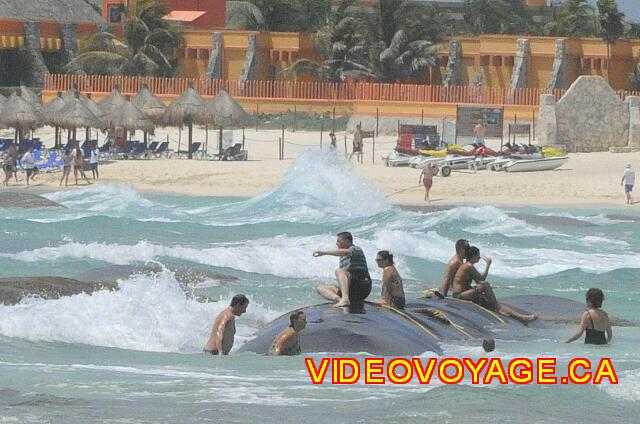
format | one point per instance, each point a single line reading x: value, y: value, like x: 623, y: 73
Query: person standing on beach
x: 478, y: 133
x: 333, y: 146
x: 93, y: 161
x: 452, y: 267
x: 29, y: 164
x: 287, y: 342
x: 628, y: 179
x: 357, y: 144
x: 79, y: 167
x: 352, y: 274
x: 66, y: 170
x: 224, y: 327
x: 426, y: 177
x: 7, y: 167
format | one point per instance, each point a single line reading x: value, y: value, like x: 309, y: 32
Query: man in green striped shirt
x: 354, y: 282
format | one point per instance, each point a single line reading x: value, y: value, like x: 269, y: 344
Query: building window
x: 115, y: 13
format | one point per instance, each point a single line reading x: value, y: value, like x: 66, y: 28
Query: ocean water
x: 133, y: 355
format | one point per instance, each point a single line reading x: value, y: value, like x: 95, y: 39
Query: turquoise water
x: 133, y: 355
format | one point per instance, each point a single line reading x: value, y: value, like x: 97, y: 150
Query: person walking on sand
x: 595, y: 322
x: 224, y: 327
x: 426, y: 178
x: 29, y: 164
x: 628, y: 179
x: 287, y: 342
x: 7, y: 167
x: 352, y: 273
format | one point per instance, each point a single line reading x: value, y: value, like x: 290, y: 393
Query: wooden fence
x: 301, y: 90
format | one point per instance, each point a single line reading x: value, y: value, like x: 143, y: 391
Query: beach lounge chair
x: 194, y: 148
x: 138, y: 150
x: 151, y: 149
x: 234, y: 152
x: 50, y: 161
x: 163, y: 149
x: 125, y: 150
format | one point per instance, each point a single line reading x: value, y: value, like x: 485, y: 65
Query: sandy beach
x: 587, y: 180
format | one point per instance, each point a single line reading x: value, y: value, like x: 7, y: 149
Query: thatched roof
x: 151, y: 105
x: 129, y: 117
x: 66, y: 11
x: 188, y: 107
x: 112, y: 101
x: 50, y: 110
x: 20, y: 113
x: 76, y: 115
x: 224, y: 111
x: 30, y: 96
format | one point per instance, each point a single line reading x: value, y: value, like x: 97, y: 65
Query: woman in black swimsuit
x: 595, y: 322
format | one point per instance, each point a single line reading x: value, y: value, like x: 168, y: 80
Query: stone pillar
x: 557, y: 79
x: 214, y: 67
x: 546, y: 128
x: 519, y: 76
x: 32, y: 46
x: 452, y: 74
x: 69, y: 36
x: 634, y: 122
x: 250, y: 70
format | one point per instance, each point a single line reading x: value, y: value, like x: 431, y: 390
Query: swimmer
x: 224, y: 327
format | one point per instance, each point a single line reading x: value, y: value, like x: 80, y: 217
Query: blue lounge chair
x: 163, y: 149
x: 194, y: 148
x: 50, y: 161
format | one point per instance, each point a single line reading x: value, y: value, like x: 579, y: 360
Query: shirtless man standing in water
x: 224, y: 327
x: 482, y: 293
x: 452, y: 267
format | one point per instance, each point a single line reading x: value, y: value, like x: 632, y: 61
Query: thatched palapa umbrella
x: 224, y: 111
x: 76, y: 115
x: 129, y: 117
x: 111, y: 101
x: 187, y: 109
x: 50, y: 113
x: 150, y: 105
x: 21, y: 114
x: 30, y: 96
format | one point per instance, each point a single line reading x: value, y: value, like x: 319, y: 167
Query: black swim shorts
x: 211, y: 352
x: 359, y: 287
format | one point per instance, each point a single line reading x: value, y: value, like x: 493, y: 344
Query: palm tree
x: 343, y: 44
x: 611, y: 22
x: 400, y: 48
x: 575, y: 18
x: 149, y: 45
x: 286, y: 15
x: 497, y: 17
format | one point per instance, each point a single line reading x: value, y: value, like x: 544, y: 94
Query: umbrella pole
x: 55, y: 142
x: 189, y: 156
x: 179, y: 138
x: 87, y: 134
x: 220, y: 143
x: 206, y: 139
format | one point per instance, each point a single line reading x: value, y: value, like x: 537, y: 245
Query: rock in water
x: 13, y: 289
x: 19, y: 199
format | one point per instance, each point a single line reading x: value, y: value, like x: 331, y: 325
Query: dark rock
x: 18, y: 199
x: 13, y: 289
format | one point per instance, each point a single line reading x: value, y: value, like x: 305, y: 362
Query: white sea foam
x: 148, y: 313
x: 628, y: 387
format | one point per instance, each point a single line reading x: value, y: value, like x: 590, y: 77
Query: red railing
x: 282, y: 89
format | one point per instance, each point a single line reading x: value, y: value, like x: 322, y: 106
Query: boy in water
x: 224, y: 327
x: 287, y: 342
